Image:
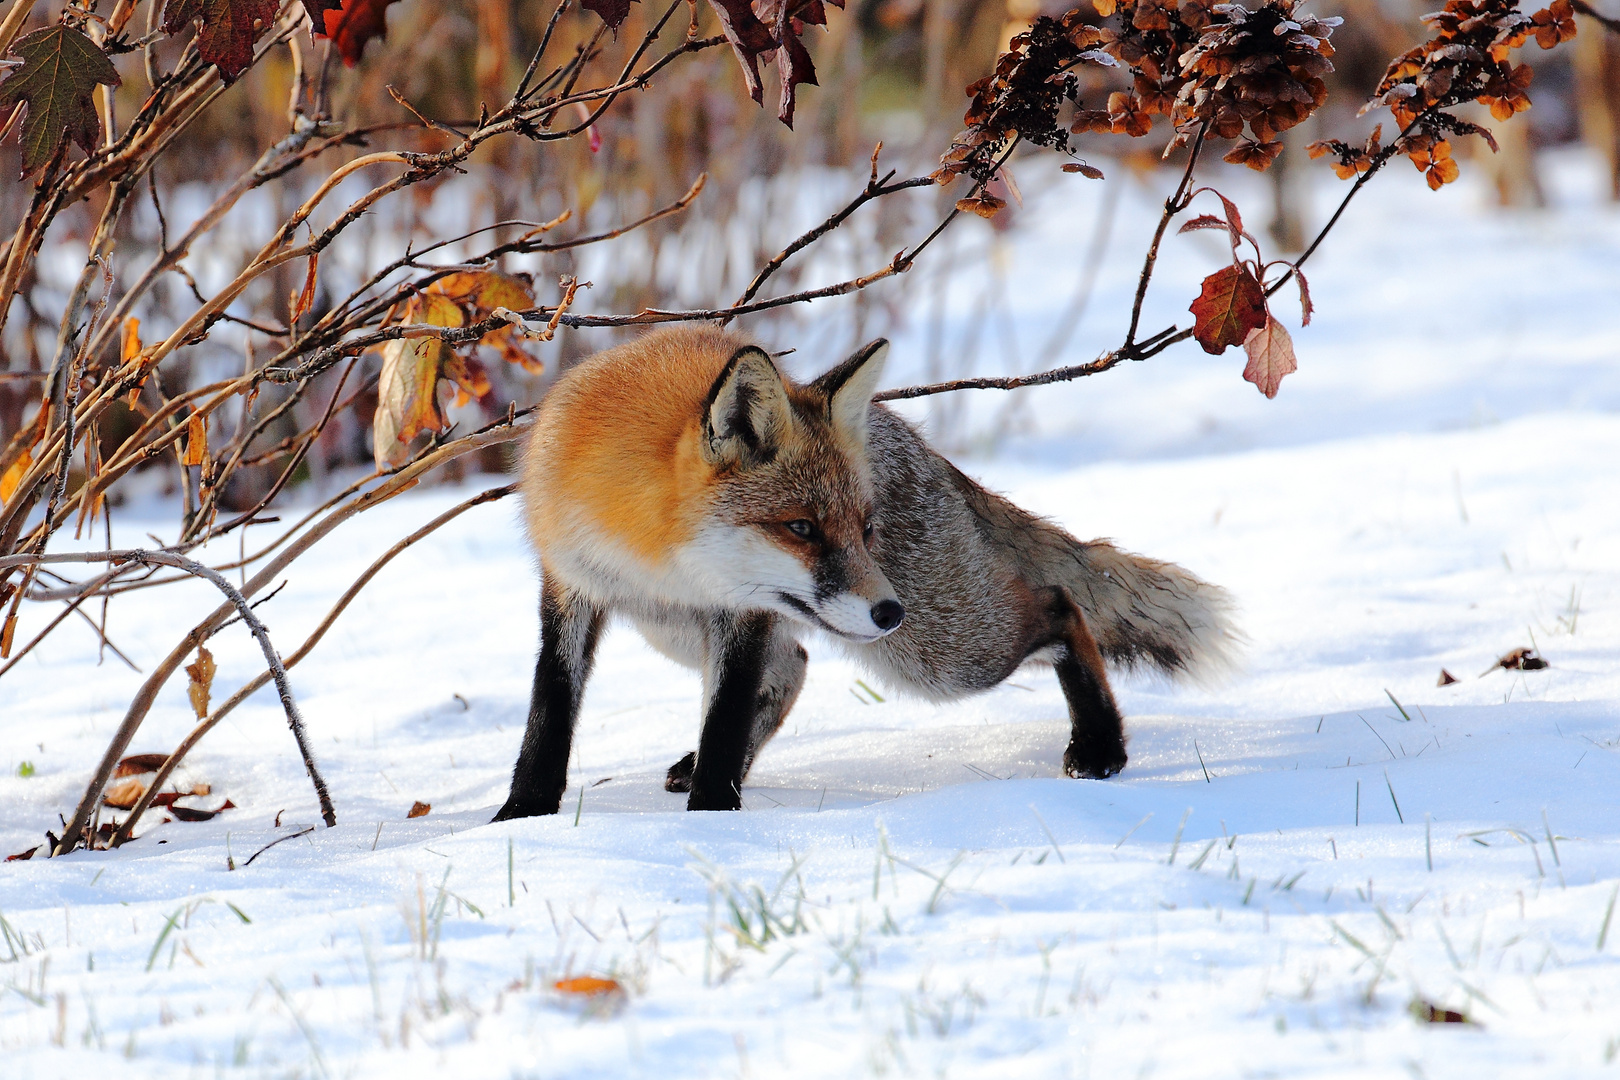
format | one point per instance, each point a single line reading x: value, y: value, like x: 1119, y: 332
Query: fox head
x: 792, y: 522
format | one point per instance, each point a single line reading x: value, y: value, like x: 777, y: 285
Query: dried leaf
x: 191, y: 813
x: 480, y: 293
x: 407, y: 387
x: 13, y: 476
x: 61, y: 70
x: 124, y: 794
x: 196, y: 441
x: 1446, y: 678
x: 1090, y: 172
x: 1306, y: 308
x: 228, y: 29
x: 8, y: 632
x: 419, y: 809
x: 132, y: 339
x: 986, y: 205
x: 136, y: 764
x: 351, y: 24
x: 201, y: 674
x: 611, y: 12
x: 1426, y: 1012
x: 1256, y: 155
x: 1271, y: 356
x: 1520, y: 659
x: 24, y: 856
x: 307, y: 296
x: 1202, y: 221
x: 587, y: 986
x: 1231, y: 305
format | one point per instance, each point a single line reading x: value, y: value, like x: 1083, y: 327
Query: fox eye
x: 800, y: 527
x: 866, y: 533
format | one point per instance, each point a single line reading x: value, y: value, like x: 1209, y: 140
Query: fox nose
x: 887, y: 614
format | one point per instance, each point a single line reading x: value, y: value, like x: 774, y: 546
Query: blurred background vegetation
x: 888, y: 69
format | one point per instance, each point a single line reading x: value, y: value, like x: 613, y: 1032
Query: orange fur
x: 617, y: 446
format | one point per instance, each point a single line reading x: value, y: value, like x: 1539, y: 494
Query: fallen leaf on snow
x: 1520, y: 659
x: 419, y: 809
x: 587, y: 986
x: 1446, y: 678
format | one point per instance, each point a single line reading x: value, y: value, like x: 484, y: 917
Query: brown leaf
x: 1446, y: 678
x: 1230, y: 306
x: 748, y: 37
x: 1306, y: 308
x: 307, y: 296
x: 419, y: 809
x: 201, y: 674
x: 124, y: 794
x: 190, y: 813
x: 1256, y: 155
x: 1202, y: 221
x: 60, y: 72
x: 23, y: 856
x: 612, y: 12
x: 1271, y: 356
x: 1426, y: 1012
x: 480, y: 292
x: 8, y: 632
x: 1090, y: 172
x: 136, y: 764
x: 227, y: 29
x: 1520, y: 659
x: 986, y: 205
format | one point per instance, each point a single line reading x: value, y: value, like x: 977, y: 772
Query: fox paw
x: 679, y: 777
x: 1093, y: 762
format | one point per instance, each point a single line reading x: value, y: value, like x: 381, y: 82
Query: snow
x: 1291, y: 859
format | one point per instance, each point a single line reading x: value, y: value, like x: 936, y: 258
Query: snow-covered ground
x: 1291, y: 862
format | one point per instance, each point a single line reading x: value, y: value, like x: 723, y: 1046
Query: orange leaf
x: 1231, y: 305
x: 588, y: 986
x: 7, y: 633
x: 132, y: 339
x: 13, y: 476
x: 196, y: 441
x: 419, y: 809
x: 349, y: 23
x: 481, y: 292
x: 1271, y: 356
x: 307, y: 297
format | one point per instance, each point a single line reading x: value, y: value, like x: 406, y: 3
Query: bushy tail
x: 1144, y: 613
x: 1150, y: 613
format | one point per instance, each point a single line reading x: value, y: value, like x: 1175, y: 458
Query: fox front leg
x: 779, y: 688
x: 570, y: 627
x: 1097, y: 733
x: 738, y: 653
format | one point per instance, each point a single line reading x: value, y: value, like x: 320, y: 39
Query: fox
x: 683, y: 482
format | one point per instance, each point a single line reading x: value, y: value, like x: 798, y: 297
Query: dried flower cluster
x: 1467, y: 59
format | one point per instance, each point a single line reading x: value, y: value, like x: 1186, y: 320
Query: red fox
x: 682, y: 481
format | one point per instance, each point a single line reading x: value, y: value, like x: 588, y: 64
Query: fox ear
x: 748, y: 412
x: 848, y: 389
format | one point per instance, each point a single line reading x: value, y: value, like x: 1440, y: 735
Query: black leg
x: 734, y: 670
x: 780, y: 684
x: 1097, y: 732
x: 569, y: 629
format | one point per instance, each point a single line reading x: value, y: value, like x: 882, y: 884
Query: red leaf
x: 1271, y: 356
x: 136, y: 764
x: 229, y: 29
x: 23, y: 856
x: 1202, y: 221
x: 349, y: 23
x: 1231, y: 305
x: 748, y: 38
x: 611, y: 11
x: 1305, y: 306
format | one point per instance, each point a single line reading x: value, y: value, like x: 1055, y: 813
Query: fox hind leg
x: 570, y: 627
x: 780, y: 683
x: 1097, y: 733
